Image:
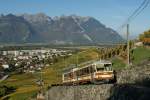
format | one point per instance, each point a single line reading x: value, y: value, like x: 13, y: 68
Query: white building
x: 138, y: 44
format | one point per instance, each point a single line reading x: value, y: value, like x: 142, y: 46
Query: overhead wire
x: 147, y: 3
x: 142, y: 6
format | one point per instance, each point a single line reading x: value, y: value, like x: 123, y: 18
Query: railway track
x: 53, y: 85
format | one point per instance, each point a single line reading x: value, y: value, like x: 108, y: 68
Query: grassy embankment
x: 140, y: 54
x: 26, y: 85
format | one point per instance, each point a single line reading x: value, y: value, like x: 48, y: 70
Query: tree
x: 2, y: 91
x: 141, y: 37
x: 146, y: 34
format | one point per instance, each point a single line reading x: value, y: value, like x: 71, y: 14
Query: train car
x: 96, y: 72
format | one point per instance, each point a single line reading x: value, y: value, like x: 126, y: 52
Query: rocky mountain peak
x: 64, y: 29
x: 39, y: 17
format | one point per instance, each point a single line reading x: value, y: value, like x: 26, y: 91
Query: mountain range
x: 40, y: 28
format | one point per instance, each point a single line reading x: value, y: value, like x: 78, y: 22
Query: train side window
x: 69, y: 75
x: 78, y: 73
x: 100, y: 69
x: 107, y: 65
x: 66, y: 76
x: 92, y: 69
x: 84, y: 71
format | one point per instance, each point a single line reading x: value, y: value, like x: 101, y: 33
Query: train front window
x: 104, y: 67
x: 100, y: 67
x: 108, y: 67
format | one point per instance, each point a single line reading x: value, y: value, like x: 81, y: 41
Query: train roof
x: 70, y: 67
x: 96, y: 62
x: 84, y: 65
x: 102, y: 62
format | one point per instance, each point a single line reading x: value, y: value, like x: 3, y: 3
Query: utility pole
x: 128, y: 46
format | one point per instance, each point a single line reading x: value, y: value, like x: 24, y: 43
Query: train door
x: 92, y: 70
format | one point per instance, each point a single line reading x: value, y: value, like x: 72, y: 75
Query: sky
x: 112, y: 13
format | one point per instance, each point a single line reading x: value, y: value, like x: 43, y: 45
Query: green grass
x: 140, y: 54
x: 26, y: 85
x: 20, y: 80
x: 118, y: 64
x: 24, y: 96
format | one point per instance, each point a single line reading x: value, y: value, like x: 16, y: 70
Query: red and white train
x: 95, y: 72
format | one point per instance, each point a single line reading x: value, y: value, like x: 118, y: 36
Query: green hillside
x: 140, y: 54
x: 26, y: 83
